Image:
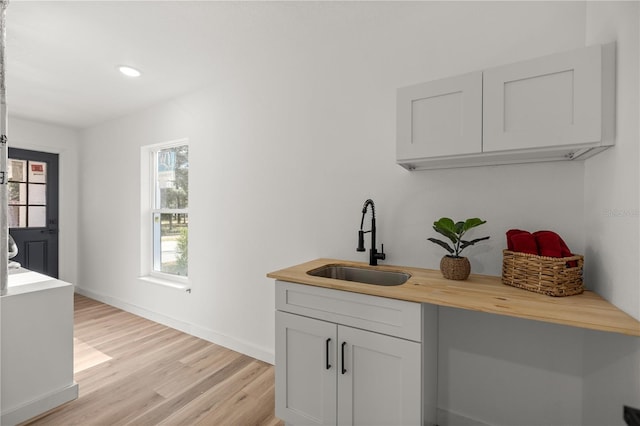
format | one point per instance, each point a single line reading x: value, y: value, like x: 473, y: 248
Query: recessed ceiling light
x: 129, y: 71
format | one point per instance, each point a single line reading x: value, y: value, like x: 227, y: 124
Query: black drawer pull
x: 344, y: 370
x: 327, y: 354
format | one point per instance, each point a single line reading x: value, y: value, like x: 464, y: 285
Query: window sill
x: 182, y: 284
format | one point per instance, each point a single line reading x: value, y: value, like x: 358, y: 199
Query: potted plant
x: 453, y: 266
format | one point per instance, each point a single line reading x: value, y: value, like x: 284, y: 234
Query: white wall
x: 611, y: 180
x: 296, y: 130
x: 612, y: 215
x: 249, y: 210
x: 28, y: 134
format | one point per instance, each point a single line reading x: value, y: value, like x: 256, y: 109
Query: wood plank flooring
x: 132, y: 371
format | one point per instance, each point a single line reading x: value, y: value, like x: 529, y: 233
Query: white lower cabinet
x: 378, y: 379
x: 329, y: 373
x: 306, y: 368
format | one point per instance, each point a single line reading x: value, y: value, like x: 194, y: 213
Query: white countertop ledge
x: 25, y: 281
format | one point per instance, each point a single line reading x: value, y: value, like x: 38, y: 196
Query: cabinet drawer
x: 388, y: 316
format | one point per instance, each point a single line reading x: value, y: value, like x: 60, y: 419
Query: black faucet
x: 373, y: 253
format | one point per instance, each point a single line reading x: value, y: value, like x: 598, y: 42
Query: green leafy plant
x: 454, y: 231
x: 183, y: 253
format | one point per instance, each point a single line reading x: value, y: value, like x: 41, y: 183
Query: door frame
x: 52, y: 220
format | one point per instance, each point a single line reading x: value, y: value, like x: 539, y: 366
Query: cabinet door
x: 306, y: 351
x: 440, y: 118
x: 551, y: 101
x: 379, y: 379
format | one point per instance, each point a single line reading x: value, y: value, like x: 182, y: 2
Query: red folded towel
x: 510, y: 234
x: 565, y: 250
x: 521, y: 241
x: 548, y: 243
x: 552, y: 245
x: 542, y: 243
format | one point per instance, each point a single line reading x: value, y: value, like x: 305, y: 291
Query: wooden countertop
x: 481, y: 293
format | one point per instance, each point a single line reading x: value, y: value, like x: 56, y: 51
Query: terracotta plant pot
x: 455, y: 268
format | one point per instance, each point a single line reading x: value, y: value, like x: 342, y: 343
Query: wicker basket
x: 553, y: 276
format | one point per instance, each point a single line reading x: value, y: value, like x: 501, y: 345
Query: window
x: 169, y: 214
x: 27, y: 194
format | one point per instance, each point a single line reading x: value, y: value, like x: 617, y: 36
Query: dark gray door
x: 33, y: 209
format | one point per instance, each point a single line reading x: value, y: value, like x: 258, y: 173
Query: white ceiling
x: 61, y: 56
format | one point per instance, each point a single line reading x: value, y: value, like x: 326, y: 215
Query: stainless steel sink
x: 360, y: 275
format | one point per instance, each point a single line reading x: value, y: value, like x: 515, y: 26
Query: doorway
x: 33, y: 209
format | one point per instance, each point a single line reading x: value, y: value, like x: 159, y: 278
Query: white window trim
x: 147, y: 209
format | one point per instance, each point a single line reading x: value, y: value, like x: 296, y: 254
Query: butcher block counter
x: 481, y: 293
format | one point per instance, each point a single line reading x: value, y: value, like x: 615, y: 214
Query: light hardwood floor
x: 132, y: 371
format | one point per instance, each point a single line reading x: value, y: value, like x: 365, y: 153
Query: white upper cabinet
x: 442, y: 117
x: 558, y: 107
x: 550, y: 101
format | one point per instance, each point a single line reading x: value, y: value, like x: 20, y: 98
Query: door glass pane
x: 27, y: 193
x: 37, y: 194
x: 17, y: 170
x: 37, y: 172
x: 37, y: 216
x: 17, y: 193
x: 17, y: 216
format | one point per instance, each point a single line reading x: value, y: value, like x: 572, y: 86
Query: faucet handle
x: 360, y: 241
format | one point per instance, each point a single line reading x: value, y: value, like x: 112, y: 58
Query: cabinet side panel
x: 429, y: 364
x: 37, y: 349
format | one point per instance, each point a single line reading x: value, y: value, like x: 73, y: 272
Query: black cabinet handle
x: 344, y: 370
x: 327, y: 353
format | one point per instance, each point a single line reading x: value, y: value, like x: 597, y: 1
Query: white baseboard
x: 234, y: 344
x: 450, y: 418
x: 207, y: 334
x: 41, y: 405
